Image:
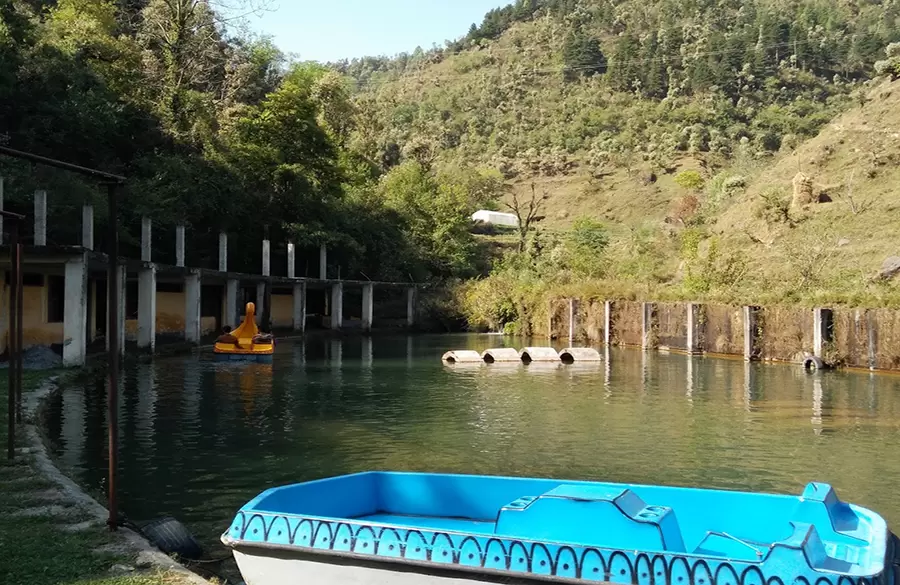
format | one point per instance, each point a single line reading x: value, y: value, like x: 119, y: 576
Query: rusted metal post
x: 11, y: 338
x: 19, y: 330
x: 112, y: 330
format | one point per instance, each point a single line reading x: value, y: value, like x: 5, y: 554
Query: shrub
x: 690, y: 180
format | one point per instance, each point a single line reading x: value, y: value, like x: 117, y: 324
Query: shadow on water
x: 199, y: 438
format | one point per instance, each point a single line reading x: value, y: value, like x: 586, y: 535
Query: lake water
x: 200, y: 438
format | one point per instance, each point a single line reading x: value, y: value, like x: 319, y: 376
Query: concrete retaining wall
x: 856, y: 338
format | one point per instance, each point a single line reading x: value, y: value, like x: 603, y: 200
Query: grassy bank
x: 48, y: 540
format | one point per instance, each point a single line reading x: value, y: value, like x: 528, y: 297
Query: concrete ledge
x: 98, y: 261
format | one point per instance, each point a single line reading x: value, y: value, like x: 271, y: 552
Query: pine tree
x: 582, y: 56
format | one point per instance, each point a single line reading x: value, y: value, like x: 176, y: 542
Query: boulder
x: 890, y: 268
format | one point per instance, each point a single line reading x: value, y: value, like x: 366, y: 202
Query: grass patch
x: 36, y: 549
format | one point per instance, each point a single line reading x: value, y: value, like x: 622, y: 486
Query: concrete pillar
x: 750, y: 333
x: 223, y: 252
x: 75, y: 307
x: 40, y: 218
x: 607, y: 323
x: 231, y: 304
x: 323, y: 262
x: 179, y: 245
x: 368, y: 296
x: 367, y: 353
x: 266, y: 258
x: 146, y: 239
x: 822, y: 330
x: 648, y: 326
x: 146, y: 337
x: 300, y: 307
x: 260, y: 302
x: 192, y: 307
x: 87, y: 226
x: 1, y: 207
x: 411, y: 306
x: 337, y: 306
x: 120, y: 320
x: 291, y: 261
x: 573, y: 304
x: 692, y: 344
x: 92, y: 310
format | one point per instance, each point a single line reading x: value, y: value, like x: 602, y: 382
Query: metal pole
x: 11, y: 338
x: 19, y: 330
x: 112, y: 327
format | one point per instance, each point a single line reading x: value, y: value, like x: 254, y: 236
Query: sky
x: 328, y: 30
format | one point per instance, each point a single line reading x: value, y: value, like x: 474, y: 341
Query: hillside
x: 667, y: 135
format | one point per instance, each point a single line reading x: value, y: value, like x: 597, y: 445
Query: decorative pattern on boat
x: 522, y: 556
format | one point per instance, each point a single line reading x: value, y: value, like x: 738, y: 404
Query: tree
x: 582, y: 56
x: 527, y: 212
x: 890, y: 67
x: 436, y: 212
x: 586, y: 243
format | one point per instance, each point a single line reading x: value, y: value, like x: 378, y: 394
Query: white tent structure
x: 496, y: 218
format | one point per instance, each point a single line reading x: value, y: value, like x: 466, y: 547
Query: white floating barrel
x: 538, y: 354
x: 571, y: 355
x: 462, y: 356
x: 503, y: 354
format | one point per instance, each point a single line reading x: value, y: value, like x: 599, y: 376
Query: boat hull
x: 258, y: 358
x: 425, y: 528
x: 289, y: 567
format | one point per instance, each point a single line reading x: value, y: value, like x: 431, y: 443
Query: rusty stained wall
x: 557, y: 321
x: 627, y: 323
x: 721, y: 329
x: 786, y: 334
x: 884, y: 338
x: 851, y: 338
x: 590, y: 318
x: 671, y: 319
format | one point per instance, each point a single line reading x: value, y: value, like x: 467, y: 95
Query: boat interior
x: 831, y: 535
x: 247, y: 339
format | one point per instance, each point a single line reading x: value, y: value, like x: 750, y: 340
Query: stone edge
x: 71, y: 490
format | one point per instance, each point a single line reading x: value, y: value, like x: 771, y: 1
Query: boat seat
x: 592, y: 515
x: 834, y: 520
x: 805, y: 546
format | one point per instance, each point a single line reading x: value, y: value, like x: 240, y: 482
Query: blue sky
x: 326, y: 30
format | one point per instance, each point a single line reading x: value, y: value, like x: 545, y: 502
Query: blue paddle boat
x: 416, y: 529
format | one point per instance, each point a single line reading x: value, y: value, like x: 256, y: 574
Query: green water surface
x: 200, y: 438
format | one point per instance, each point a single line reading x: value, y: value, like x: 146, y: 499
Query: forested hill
x: 739, y: 150
x: 543, y: 85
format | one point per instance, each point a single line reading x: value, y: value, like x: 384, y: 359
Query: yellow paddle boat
x: 246, y: 343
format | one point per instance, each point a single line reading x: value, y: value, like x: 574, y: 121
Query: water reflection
x: 200, y: 438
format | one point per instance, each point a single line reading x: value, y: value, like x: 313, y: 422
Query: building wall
x: 282, y: 310
x: 36, y: 330
x: 170, y: 315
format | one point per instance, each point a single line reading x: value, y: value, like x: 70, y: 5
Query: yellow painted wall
x: 170, y: 317
x: 282, y: 310
x: 169, y: 312
x: 35, y: 329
